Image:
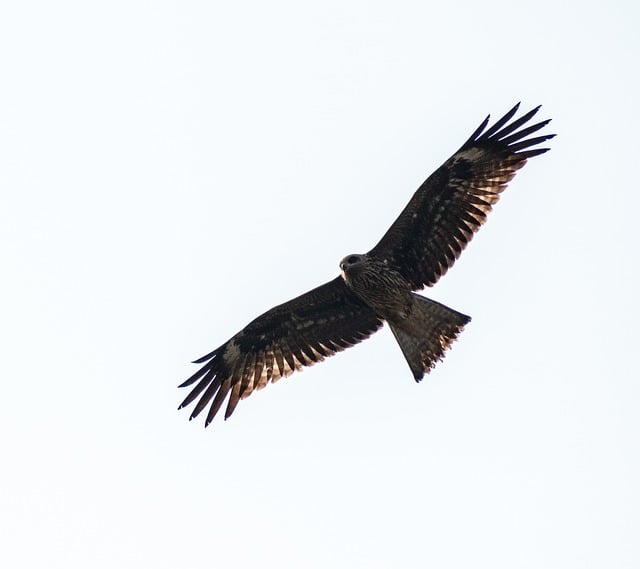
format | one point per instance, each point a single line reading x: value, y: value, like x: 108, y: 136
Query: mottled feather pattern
x: 427, y: 333
x: 453, y: 203
x: 298, y: 333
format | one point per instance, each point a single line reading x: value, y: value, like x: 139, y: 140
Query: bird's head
x: 351, y: 261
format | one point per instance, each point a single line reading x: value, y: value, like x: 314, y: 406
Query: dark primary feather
x: 453, y: 203
x: 298, y: 333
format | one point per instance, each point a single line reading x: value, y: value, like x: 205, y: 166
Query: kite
x: 379, y: 286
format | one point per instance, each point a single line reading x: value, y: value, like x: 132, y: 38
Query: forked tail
x: 426, y: 334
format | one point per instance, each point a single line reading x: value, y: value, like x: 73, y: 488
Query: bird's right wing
x: 453, y: 203
x: 298, y: 333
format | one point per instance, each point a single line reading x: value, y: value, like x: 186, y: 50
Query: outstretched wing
x: 452, y: 204
x: 298, y: 333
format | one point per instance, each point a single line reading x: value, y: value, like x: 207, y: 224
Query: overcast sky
x: 170, y: 170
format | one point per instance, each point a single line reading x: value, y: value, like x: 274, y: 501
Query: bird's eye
x: 351, y: 260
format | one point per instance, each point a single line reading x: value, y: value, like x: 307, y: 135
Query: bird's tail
x: 426, y: 334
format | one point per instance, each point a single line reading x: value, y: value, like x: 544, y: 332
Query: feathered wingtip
x: 205, y: 375
x: 213, y: 386
x: 508, y: 134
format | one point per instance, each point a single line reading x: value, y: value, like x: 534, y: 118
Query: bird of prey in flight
x: 378, y: 286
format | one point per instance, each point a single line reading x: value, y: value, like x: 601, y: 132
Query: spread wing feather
x: 453, y: 203
x: 298, y: 333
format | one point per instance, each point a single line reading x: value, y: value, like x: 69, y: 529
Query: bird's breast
x: 382, y: 288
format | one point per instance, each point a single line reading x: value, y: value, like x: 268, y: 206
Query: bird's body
x: 381, y: 287
x: 423, y: 328
x: 377, y: 287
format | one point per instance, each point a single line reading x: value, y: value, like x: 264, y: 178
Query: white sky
x: 170, y: 170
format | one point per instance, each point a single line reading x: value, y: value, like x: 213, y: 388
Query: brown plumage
x: 423, y: 242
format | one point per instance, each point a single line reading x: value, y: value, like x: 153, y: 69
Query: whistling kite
x: 425, y: 240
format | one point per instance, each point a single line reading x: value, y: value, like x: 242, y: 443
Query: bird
x: 379, y: 286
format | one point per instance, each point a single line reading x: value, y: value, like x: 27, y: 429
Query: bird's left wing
x: 453, y: 203
x: 298, y: 333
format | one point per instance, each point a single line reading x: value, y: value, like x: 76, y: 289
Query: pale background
x: 170, y: 170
